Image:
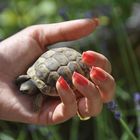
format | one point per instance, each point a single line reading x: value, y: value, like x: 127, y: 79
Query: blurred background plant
x: 118, y: 38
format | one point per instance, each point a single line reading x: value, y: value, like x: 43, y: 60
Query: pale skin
x: 19, y: 51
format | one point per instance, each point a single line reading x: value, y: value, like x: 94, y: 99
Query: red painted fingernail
x: 63, y: 83
x: 81, y: 80
x: 97, y: 73
x: 88, y: 57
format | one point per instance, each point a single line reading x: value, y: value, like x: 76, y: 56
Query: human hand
x: 18, y: 52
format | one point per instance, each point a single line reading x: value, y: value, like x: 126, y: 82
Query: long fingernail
x: 81, y: 80
x: 88, y: 57
x: 97, y: 73
x: 63, y: 83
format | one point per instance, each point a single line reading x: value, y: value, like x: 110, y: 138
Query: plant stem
x: 127, y: 129
x: 122, y: 48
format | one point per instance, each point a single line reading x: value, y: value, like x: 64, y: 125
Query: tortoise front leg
x: 38, y: 102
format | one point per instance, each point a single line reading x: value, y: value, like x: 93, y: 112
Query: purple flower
x: 63, y: 13
x: 117, y: 115
x: 113, y: 107
x: 137, y: 97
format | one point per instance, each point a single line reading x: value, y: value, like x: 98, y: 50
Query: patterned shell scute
x: 54, y: 63
x: 61, y: 58
x: 42, y: 71
x: 71, y: 55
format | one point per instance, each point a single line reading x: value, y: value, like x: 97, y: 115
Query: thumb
x: 48, y: 34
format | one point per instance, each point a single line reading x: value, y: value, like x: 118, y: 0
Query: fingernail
x: 63, y: 83
x: 81, y: 80
x: 97, y: 22
x: 88, y: 57
x: 97, y: 73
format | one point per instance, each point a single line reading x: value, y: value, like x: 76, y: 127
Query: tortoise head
x: 26, y: 85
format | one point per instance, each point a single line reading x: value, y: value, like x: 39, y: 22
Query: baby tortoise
x: 42, y: 75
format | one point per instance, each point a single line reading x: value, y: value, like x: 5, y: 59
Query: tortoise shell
x: 53, y: 64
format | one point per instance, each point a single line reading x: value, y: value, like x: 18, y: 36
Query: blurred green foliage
x: 114, y: 38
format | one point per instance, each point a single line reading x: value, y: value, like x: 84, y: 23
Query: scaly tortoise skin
x: 42, y: 75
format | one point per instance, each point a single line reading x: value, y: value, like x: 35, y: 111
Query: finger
x: 57, y: 111
x: 69, y: 105
x: 91, y: 104
x: 92, y: 58
x: 105, y: 83
x: 64, y: 31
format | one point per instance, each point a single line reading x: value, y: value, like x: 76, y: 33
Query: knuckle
x: 96, y: 111
x: 109, y: 92
x: 93, y: 110
x: 109, y: 96
x: 62, y: 33
x: 72, y: 102
x: 31, y: 28
x: 71, y: 111
x: 106, y: 64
